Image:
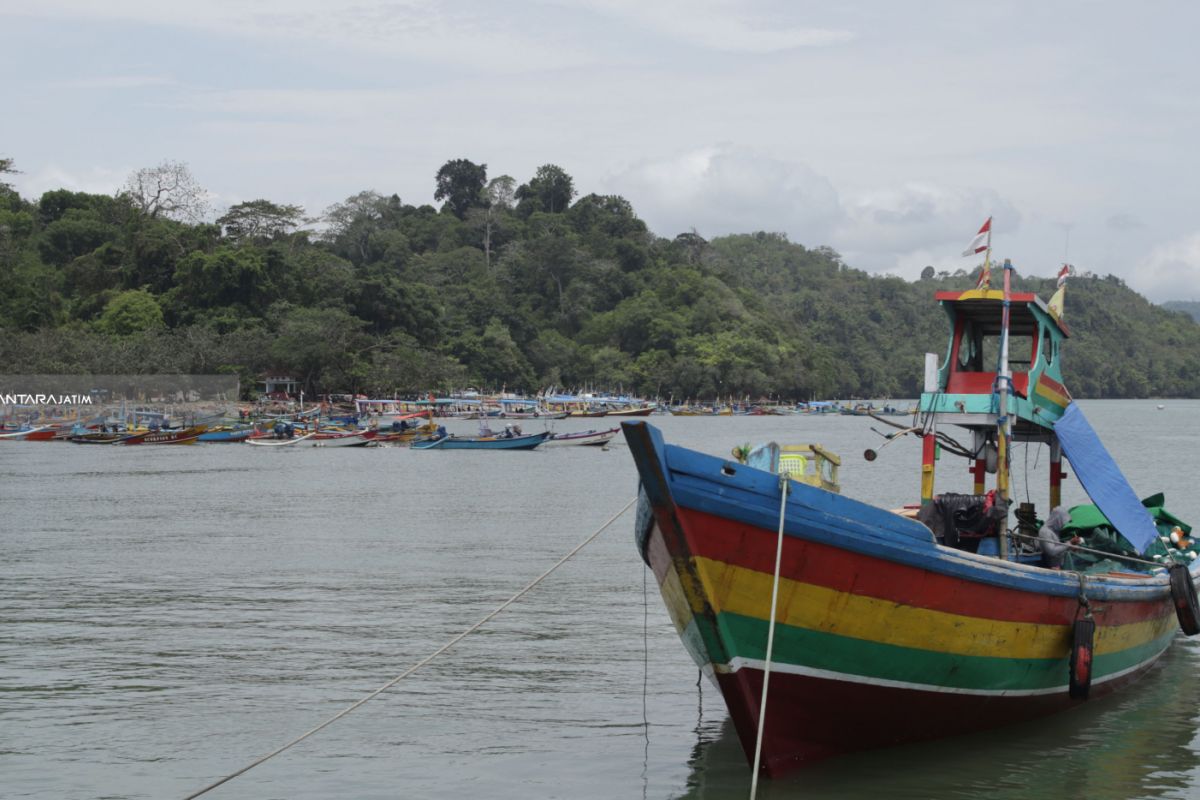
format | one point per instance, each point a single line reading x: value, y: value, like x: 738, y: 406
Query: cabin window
x: 970, y: 357
x: 1047, y: 347
x: 1020, y: 354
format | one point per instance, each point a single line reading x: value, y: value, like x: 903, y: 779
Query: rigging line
x: 645, y: 684
x: 762, y: 705
x: 1104, y: 553
x: 1027, y: 471
x: 420, y: 663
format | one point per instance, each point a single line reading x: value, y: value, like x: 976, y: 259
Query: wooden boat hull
x: 633, y: 412
x: 882, y: 635
x: 351, y: 439
x: 584, y: 438
x: 44, y: 434
x: 240, y: 435
x: 99, y: 438
x: 182, y: 436
x: 527, y: 442
x: 271, y: 441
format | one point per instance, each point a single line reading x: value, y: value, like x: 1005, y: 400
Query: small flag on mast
x: 1064, y: 273
x: 982, y: 240
x: 1056, y: 300
x: 981, y: 243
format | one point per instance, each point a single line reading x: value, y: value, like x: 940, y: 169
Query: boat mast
x: 1003, y: 423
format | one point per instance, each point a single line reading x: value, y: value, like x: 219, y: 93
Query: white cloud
x: 116, y: 82
x: 472, y: 34
x: 717, y: 25
x: 728, y: 189
x: 1170, y: 271
x: 904, y: 229
x: 95, y: 180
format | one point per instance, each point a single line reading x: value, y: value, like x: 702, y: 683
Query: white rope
x: 420, y: 663
x: 762, y: 705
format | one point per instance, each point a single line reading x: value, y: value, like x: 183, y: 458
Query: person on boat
x: 1054, y: 549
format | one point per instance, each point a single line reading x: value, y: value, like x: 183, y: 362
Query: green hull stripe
x: 746, y: 637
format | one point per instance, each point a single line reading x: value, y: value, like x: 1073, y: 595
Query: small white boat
x: 271, y: 441
x: 343, y: 438
x: 592, y: 437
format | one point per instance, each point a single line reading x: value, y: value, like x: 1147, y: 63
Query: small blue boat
x: 227, y: 435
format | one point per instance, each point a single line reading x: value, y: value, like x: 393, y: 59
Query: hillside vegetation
x: 506, y: 285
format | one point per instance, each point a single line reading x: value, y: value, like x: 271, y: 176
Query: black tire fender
x: 1083, y: 636
x: 1183, y: 595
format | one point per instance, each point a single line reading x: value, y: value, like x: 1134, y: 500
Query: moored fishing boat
x: 589, y: 437
x: 174, y: 436
x: 888, y: 630
x: 635, y: 411
x: 43, y: 433
x: 343, y: 438
x: 515, y: 442
x: 227, y: 434
x: 273, y: 441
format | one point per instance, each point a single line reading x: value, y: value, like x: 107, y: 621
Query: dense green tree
x: 6, y: 168
x: 550, y: 190
x: 129, y: 312
x: 461, y: 184
x: 258, y: 220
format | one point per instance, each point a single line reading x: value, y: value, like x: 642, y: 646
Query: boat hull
x: 882, y: 636
x: 181, y: 436
x: 528, y: 442
x: 271, y: 441
x: 584, y: 438
x: 44, y: 434
x: 352, y: 439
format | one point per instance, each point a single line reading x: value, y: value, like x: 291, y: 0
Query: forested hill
x: 510, y: 285
x: 1189, y: 307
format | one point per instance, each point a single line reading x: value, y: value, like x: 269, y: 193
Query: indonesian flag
x: 1064, y: 273
x: 982, y: 240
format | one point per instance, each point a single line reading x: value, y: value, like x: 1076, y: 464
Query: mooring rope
x: 762, y: 705
x: 420, y: 663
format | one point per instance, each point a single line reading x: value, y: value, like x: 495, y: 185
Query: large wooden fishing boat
x: 175, y: 436
x: 831, y: 625
x: 42, y: 433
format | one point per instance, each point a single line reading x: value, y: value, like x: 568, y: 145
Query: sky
x: 888, y: 131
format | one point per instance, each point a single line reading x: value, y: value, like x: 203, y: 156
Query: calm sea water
x: 167, y: 615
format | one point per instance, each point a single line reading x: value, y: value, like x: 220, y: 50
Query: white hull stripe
x: 792, y: 669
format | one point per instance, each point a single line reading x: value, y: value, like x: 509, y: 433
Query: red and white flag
x: 982, y: 240
x: 1064, y: 273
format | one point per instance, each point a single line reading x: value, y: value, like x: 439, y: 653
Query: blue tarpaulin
x: 1103, y: 480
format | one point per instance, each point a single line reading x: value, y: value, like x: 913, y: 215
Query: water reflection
x: 1140, y: 743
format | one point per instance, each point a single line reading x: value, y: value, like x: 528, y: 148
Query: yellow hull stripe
x: 745, y: 592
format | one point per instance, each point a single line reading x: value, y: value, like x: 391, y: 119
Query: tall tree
x: 551, y: 189
x: 168, y: 190
x: 260, y: 219
x: 460, y: 183
x: 355, y: 225
x: 6, y: 168
x: 499, y: 199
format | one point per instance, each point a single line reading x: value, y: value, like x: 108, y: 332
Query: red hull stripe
x: 753, y: 548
